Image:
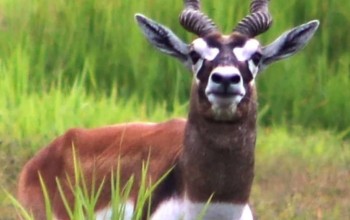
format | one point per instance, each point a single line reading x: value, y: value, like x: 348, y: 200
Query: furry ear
x: 289, y: 43
x: 164, y: 39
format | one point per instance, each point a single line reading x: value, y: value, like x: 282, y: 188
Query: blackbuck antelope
x: 212, y: 153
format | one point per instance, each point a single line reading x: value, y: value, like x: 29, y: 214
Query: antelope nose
x: 226, y: 80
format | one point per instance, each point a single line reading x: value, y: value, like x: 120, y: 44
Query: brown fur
x: 218, y: 157
x: 98, y: 151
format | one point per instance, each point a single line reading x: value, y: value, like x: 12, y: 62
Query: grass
x: 299, y: 175
x: 302, y: 177
x: 84, y: 63
x: 61, y: 38
x: 86, y: 196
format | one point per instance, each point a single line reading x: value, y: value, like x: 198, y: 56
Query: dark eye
x: 256, y: 58
x: 194, y: 56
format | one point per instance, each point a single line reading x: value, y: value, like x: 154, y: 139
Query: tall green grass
x: 31, y: 116
x: 87, y: 194
x: 62, y: 40
x: 299, y: 175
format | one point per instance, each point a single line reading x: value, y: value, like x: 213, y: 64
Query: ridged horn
x: 195, y: 21
x: 258, y: 21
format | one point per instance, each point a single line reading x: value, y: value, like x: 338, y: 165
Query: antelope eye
x: 194, y: 56
x: 256, y: 57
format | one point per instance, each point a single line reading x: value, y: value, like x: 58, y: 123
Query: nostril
x: 235, y: 79
x: 217, y: 78
x: 225, y: 79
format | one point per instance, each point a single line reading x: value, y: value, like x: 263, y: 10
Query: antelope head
x: 225, y: 66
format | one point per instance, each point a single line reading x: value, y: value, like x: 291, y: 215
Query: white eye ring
x: 202, y: 48
x: 197, y: 66
x: 253, y: 68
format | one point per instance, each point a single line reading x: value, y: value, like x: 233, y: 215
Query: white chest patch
x: 222, y: 211
x: 172, y: 209
x: 245, y: 53
x: 124, y: 212
x: 177, y: 209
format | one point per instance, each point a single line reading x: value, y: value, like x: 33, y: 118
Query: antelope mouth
x: 225, y: 94
x: 224, y: 99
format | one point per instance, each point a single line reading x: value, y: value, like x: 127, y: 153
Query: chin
x: 224, y: 109
x: 224, y: 113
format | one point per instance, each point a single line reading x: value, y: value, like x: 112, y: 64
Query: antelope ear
x: 164, y: 39
x: 289, y: 43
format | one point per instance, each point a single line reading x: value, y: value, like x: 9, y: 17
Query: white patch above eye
x: 202, y: 48
x: 245, y: 53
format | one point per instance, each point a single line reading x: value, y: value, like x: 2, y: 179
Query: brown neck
x: 218, y: 157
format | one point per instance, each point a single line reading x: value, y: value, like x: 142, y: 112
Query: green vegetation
x: 84, y: 63
x: 99, y: 41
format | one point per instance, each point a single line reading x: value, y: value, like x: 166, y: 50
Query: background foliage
x: 70, y: 63
x: 99, y: 42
